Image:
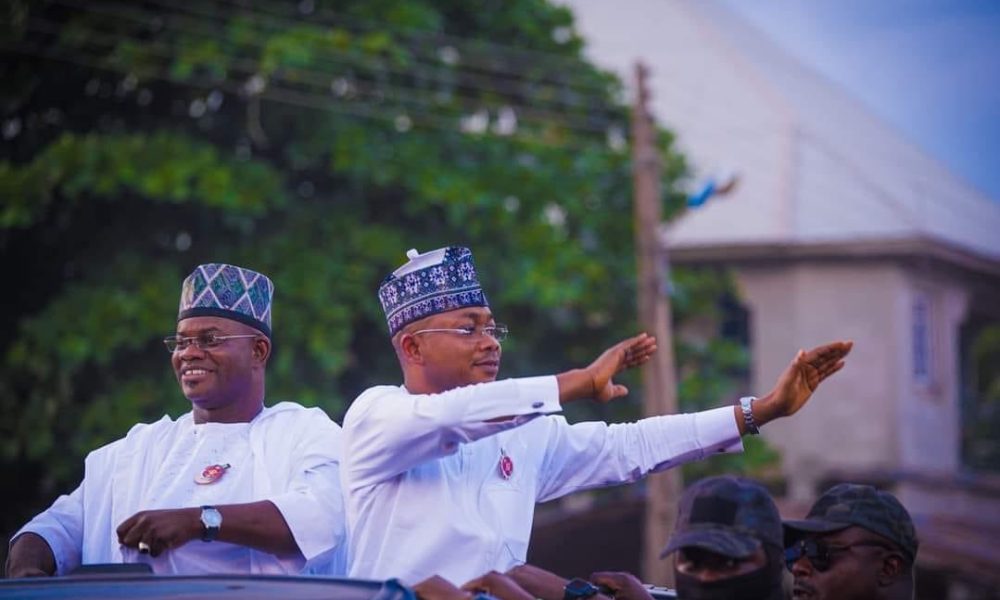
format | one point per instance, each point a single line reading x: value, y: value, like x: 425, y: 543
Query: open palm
x: 624, y: 355
x: 806, y: 371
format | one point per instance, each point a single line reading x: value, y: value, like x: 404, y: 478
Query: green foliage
x: 157, y: 167
x: 317, y: 149
x: 981, y: 398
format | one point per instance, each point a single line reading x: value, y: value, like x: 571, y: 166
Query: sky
x: 930, y: 68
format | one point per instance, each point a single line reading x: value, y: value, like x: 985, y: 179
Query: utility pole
x: 659, y: 377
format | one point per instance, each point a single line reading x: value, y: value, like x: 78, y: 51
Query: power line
x: 299, y: 99
x: 317, y: 87
x: 492, y: 69
x: 442, y: 75
x: 327, y: 17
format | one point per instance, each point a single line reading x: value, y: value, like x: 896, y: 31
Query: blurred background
x: 827, y: 172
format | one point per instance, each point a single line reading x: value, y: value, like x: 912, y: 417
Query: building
x: 840, y: 228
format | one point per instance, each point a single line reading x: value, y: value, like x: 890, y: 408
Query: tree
x: 314, y: 145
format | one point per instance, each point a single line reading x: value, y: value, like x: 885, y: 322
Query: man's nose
x: 487, y: 341
x: 191, y: 351
x: 802, y: 566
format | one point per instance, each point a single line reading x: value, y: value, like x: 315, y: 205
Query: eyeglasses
x: 497, y: 332
x: 202, y: 342
x: 819, y: 553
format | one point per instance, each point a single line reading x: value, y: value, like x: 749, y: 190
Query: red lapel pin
x: 506, y: 465
x: 211, y: 474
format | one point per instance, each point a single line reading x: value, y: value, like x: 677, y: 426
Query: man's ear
x: 261, y: 349
x: 410, y: 349
x: 892, y: 569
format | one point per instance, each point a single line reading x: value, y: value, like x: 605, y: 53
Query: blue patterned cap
x: 728, y: 516
x: 434, y: 282
x: 231, y: 292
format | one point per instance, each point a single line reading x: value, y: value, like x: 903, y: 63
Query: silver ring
x: 143, y: 548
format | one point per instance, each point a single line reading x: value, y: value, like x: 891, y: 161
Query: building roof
x: 817, y: 167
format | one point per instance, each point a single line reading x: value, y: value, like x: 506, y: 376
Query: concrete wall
x: 851, y: 421
x: 876, y: 414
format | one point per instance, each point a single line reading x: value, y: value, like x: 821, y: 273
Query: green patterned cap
x: 852, y: 505
x: 228, y: 291
x: 726, y: 515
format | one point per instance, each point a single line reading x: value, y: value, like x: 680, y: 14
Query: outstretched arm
x: 797, y: 383
x: 388, y: 430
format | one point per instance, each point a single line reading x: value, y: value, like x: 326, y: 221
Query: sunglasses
x: 819, y: 553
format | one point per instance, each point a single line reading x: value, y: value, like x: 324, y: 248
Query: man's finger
x: 637, y: 341
x: 608, y: 579
x: 830, y: 370
x: 157, y: 547
x: 124, y: 528
x: 645, y: 350
x: 639, y: 356
x: 833, y: 350
x: 634, y: 361
x: 640, y: 361
x: 132, y: 538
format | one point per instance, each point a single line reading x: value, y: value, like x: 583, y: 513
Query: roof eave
x: 749, y: 253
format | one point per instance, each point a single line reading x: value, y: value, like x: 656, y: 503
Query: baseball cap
x: 727, y: 515
x: 853, y: 505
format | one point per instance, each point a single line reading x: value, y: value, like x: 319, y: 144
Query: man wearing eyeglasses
x: 856, y: 543
x: 441, y: 474
x: 230, y: 487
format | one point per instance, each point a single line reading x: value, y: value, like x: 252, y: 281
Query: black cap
x: 852, y: 505
x: 726, y: 515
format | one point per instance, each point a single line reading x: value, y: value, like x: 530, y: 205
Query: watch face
x: 211, y: 517
x: 580, y: 588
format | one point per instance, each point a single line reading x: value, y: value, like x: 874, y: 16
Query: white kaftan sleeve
x: 311, y: 502
x: 588, y: 455
x: 61, y: 526
x: 388, y: 431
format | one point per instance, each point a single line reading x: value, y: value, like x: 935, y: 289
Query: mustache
x: 800, y: 586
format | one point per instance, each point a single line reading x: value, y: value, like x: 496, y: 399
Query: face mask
x: 762, y: 584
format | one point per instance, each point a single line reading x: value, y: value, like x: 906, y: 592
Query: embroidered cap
x: 228, y: 291
x: 434, y: 282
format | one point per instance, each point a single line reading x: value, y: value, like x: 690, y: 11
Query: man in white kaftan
x: 427, y: 492
x: 441, y: 475
x: 271, y: 474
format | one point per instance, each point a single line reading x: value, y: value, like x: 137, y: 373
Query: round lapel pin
x: 506, y: 465
x: 211, y: 474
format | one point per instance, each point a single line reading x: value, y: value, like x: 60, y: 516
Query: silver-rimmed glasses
x: 497, y: 332
x: 202, y: 342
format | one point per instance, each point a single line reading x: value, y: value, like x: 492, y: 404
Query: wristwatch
x: 746, y: 405
x: 211, y: 521
x: 576, y: 589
